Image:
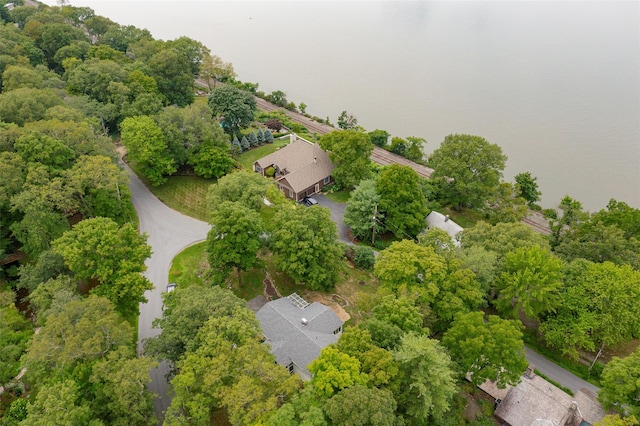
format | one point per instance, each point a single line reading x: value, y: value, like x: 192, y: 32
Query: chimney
x: 292, y: 137
x: 529, y: 372
x: 304, y: 321
x: 315, y: 160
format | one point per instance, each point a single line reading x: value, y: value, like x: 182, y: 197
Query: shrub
x: 363, y: 257
x: 270, y: 171
x: 274, y: 124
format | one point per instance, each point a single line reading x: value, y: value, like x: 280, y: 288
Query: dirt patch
x: 270, y: 291
x: 327, y: 299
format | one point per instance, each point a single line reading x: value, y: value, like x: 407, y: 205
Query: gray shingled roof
x: 536, y: 402
x: 290, y: 339
x: 438, y: 220
x: 305, y: 163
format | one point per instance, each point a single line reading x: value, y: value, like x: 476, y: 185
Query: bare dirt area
x: 333, y: 302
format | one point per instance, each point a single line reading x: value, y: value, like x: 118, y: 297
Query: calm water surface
x: 555, y: 84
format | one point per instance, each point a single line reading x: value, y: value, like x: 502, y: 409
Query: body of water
x: 555, y: 84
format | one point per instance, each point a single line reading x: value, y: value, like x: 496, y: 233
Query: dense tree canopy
x: 234, y: 239
x: 361, y: 215
x: 305, y: 241
x: 406, y: 267
x: 402, y: 201
x: 241, y: 186
x: 98, y: 249
x: 147, y: 148
x: 349, y: 150
x: 621, y: 384
x: 597, y: 308
x: 426, y: 381
x: 530, y: 282
x: 468, y: 169
x: 185, y: 311
x: 491, y: 349
x: 234, y: 107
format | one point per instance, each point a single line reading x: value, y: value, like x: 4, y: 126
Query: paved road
x: 169, y: 233
x: 559, y: 374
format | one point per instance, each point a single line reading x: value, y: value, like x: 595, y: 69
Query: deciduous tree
x: 527, y: 187
x: 530, y: 283
x: 349, y: 150
x: 185, y: 312
x: 491, y: 349
x: 241, y: 186
x: 597, y: 308
x: 358, y: 405
x: 234, y: 239
x: 333, y: 371
x: 621, y: 385
x: 406, y: 267
x: 379, y: 137
x: 468, y: 169
x: 305, y: 241
x: 402, y: 201
x: 234, y: 107
x: 361, y: 214
x: 426, y: 383
x: 99, y: 249
x: 147, y: 147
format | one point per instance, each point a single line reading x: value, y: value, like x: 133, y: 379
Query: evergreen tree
x: 236, y: 148
x: 260, y: 135
x: 268, y: 136
x: 244, y: 143
x: 253, y: 139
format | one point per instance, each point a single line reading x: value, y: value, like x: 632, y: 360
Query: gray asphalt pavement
x: 557, y: 373
x: 337, y: 212
x: 169, y: 232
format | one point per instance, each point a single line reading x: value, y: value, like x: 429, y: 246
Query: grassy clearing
x: 338, y: 196
x: 190, y: 267
x: 186, y: 194
x: 466, y: 218
x: 247, y: 158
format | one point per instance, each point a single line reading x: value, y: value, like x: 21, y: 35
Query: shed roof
x: 297, y: 332
x: 438, y: 220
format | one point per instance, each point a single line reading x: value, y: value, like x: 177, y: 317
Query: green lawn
x: 339, y: 196
x: 186, y: 194
x: 466, y: 218
x: 190, y: 266
x: 247, y: 158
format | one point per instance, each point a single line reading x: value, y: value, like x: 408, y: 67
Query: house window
x: 258, y: 169
x: 291, y: 194
x: 290, y: 367
x: 337, y: 330
x: 327, y: 180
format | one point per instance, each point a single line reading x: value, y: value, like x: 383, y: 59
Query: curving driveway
x: 168, y: 233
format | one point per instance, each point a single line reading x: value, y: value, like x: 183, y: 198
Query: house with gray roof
x: 439, y: 220
x: 536, y: 402
x: 297, y: 331
x: 301, y: 168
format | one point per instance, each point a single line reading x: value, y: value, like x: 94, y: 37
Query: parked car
x: 309, y: 201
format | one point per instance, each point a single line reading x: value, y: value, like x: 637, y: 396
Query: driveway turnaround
x: 169, y: 232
